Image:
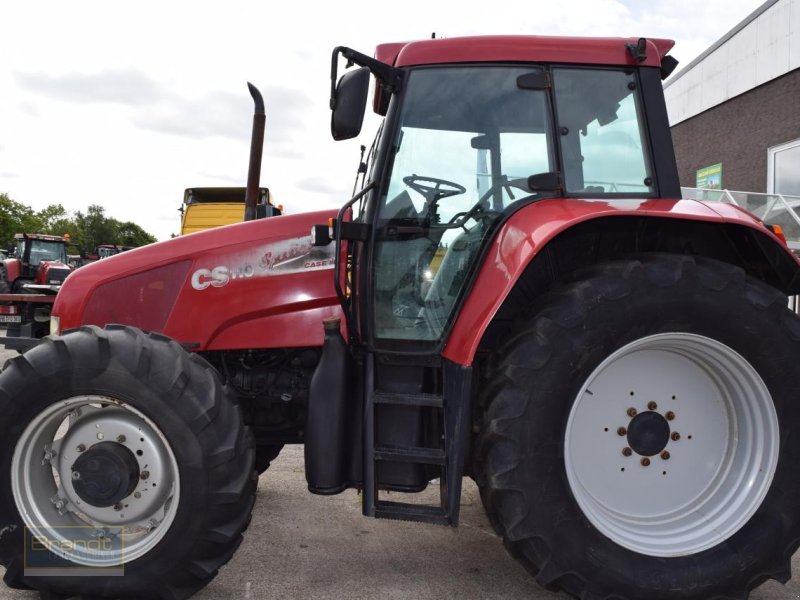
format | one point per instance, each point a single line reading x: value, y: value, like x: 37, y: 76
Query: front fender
x: 527, y: 232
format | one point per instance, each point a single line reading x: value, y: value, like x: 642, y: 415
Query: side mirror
x: 349, y: 104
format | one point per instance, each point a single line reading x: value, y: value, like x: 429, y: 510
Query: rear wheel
x: 120, y: 451
x: 642, y: 436
x: 5, y: 288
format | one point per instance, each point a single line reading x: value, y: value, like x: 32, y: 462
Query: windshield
x: 46, y: 250
x: 468, y: 140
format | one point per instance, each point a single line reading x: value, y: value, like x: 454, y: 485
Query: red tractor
x: 30, y: 276
x: 35, y: 263
x: 517, y: 294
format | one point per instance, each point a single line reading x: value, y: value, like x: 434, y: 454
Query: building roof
x: 744, y: 23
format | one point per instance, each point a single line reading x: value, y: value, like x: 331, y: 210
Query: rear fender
x: 546, y: 240
x: 13, y: 269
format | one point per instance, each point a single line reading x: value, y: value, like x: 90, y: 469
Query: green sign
x: 710, y: 178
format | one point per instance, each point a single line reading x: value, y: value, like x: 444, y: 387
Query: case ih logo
x: 283, y: 258
x: 217, y: 277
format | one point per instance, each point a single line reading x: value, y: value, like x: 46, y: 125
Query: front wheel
x: 124, y: 465
x: 642, y: 436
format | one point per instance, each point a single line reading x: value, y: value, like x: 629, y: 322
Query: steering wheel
x: 433, y: 189
x: 481, y: 206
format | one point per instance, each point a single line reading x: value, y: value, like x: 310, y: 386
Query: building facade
x: 735, y: 110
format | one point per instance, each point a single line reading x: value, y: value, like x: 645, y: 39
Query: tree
x: 15, y: 218
x: 130, y: 234
x: 95, y: 228
x: 86, y: 230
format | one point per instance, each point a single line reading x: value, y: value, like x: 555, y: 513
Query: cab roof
x: 39, y: 236
x: 523, y: 48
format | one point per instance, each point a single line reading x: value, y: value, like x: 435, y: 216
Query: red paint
x: 522, y: 48
x: 13, y: 269
x: 530, y: 229
x: 281, y: 303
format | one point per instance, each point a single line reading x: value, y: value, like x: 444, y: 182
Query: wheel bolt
x: 80, y: 448
x: 137, y: 495
x: 121, y: 439
x: 76, y: 475
x: 622, y: 431
x: 631, y: 412
x: 670, y: 415
x: 118, y: 506
x: 627, y: 451
x: 145, y: 475
x: 652, y: 405
x: 675, y: 436
x: 665, y: 455
x: 645, y: 461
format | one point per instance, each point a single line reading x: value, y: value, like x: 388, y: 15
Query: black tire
x: 200, y: 424
x: 5, y: 288
x: 539, y: 374
x: 265, y: 455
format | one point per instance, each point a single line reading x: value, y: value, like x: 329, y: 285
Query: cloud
x: 319, y: 185
x: 228, y: 115
x: 234, y: 181
x: 216, y: 113
x: 126, y: 86
x: 29, y: 108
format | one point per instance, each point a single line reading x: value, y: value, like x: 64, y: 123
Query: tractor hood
x: 257, y: 284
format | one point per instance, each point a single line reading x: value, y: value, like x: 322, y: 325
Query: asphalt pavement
x: 303, y: 546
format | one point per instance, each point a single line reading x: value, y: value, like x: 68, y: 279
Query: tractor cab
x: 33, y: 249
x: 36, y: 261
x: 463, y: 147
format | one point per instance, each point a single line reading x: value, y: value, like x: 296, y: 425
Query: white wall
x: 764, y: 46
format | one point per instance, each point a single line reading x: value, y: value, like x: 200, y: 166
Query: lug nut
x: 645, y: 461
x: 670, y: 415
x: 145, y: 475
x: 137, y: 495
x: 652, y: 405
x: 675, y: 436
x: 631, y: 412
x: 121, y: 439
x: 118, y: 506
x: 665, y: 455
x: 622, y: 431
x: 80, y: 448
x: 627, y: 451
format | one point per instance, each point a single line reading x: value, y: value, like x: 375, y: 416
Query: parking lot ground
x: 312, y: 547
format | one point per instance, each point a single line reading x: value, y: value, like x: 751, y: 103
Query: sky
x: 125, y: 104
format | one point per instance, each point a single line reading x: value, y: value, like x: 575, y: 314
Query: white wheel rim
x: 51, y: 508
x: 717, y: 462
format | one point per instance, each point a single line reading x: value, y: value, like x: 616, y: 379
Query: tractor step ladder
x: 448, y: 457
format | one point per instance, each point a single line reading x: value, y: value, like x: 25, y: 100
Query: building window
x: 783, y: 174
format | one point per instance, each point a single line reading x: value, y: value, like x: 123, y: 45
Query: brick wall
x: 737, y: 133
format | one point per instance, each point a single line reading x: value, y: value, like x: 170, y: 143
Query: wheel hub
x: 105, y: 474
x: 671, y: 444
x: 648, y: 433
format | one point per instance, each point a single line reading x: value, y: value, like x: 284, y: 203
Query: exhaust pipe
x: 256, y: 148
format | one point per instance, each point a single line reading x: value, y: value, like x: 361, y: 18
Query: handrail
x: 772, y: 209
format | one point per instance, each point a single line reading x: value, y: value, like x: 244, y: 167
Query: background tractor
x: 31, y: 273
